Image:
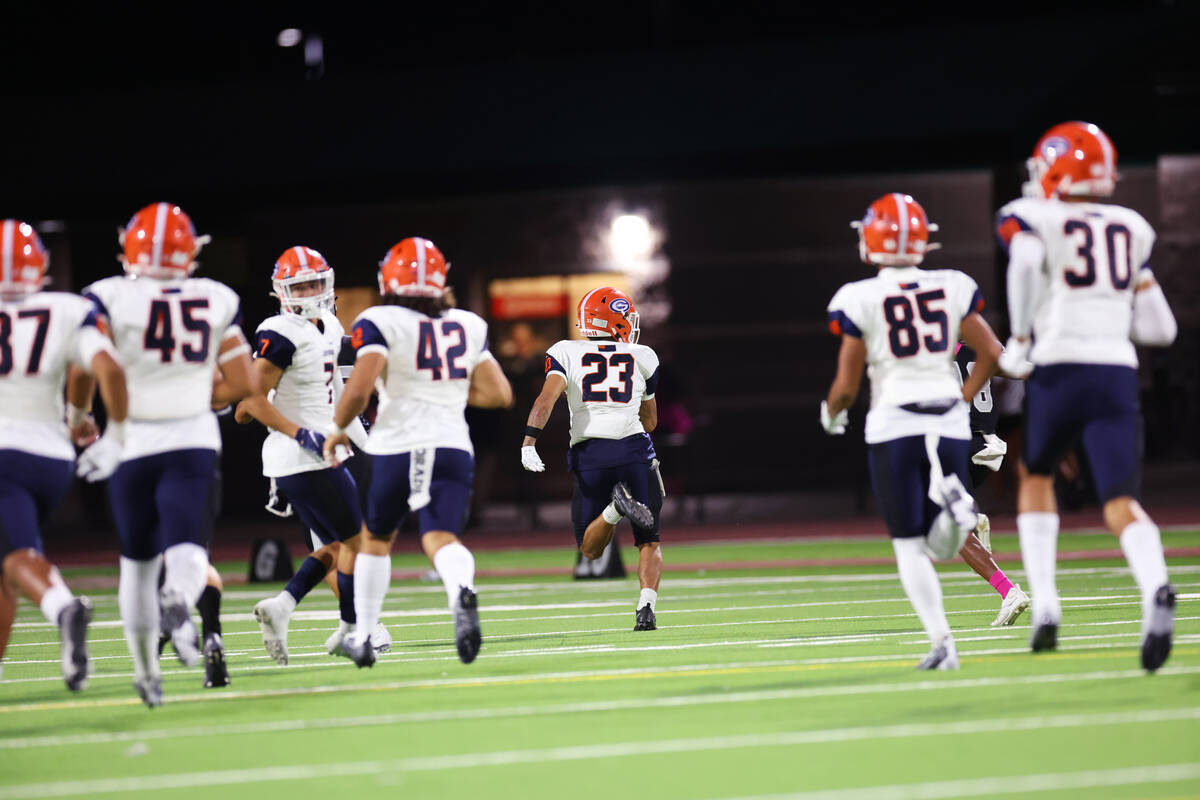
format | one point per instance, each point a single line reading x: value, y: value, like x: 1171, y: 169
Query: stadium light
x: 631, y: 238
x: 289, y: 37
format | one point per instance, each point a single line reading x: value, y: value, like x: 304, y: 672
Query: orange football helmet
x: 607, y: 311
x: 894, y: 232
x: 23, y: 260
x: 160, y: 242
x: 1072, y: 158
x: 297, y: 266
x: 414, y: 267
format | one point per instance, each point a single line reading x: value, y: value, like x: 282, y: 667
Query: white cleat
x: 943, y: 656
x: 983, y: 531
x: 381, y: 640
x: 273, y: 621
x: 333, y: 645
x: 1014, y: 603
x: 177, y: 623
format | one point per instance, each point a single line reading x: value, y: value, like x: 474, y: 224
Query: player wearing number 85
x: 1080, y: 290
x: 609, y: 380
x: 429, y: 361
x: 172, y: 332
x: 903, y: 325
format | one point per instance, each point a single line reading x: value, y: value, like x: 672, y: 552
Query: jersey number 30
x: 902, y: 329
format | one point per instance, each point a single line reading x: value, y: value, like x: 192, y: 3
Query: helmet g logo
x: 1054, y: 147
x: 619, y: 305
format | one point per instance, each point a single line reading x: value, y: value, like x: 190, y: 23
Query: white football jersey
x: 909, y: 319
x: 308, y: 390
x: 606, y: 384
x: 40, y: 336
x: 169, y: 335
x: 423, y: 389
x: 1094, y: 256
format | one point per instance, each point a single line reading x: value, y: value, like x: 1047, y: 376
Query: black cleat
x: 637, y: 512
x: 361, y: 653
x: 1045, y: 637
x: 466, y: 626
x: 1156, y: 644
x: 646, y: 621
x: 215, y: 673
x: 72, y: 630
x: 150, y: 690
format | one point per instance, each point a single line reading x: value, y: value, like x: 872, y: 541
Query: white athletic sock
x: 455, y: 564
x: 372, y: 574
x: 921, y: 584
x: 611, y: 515
x: 287, y: 601
x: 647, y: 596
x: 1038, y: 532
x: 137, y: 597
x: 1142, y: 544
x: 187, y: 571
x: 56, y: 598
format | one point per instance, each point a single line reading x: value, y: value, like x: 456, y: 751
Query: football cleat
x: 333, y: 645
x: 1044, y: 637
x: 273, y: 621
x: 466, y: 625
x: 177, y: 623
x: 361, y: 653
x: 72, y: 630
x: 381, y: 640
x: 983, y: 531
x: 637, y: 512
x: 645, y: 620
x: 150, y: 690
x: 1014, y: 603
x: 943, y: 656
x: 1156, y: 643
x: 215, y: 673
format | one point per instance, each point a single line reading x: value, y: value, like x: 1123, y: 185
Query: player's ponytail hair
x: 429, y: 306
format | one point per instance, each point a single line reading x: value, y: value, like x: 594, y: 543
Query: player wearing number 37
x: 903, y: 324
x: 172, y: 331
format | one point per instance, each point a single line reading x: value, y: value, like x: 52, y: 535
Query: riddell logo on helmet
x: 620, y: 305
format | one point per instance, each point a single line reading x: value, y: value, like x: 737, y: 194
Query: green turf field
x: 759, y: 682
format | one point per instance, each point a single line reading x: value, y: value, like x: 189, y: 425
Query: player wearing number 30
x: 429, y: 361
x: 1079, y: 282
x: 609, y: 380
x: 903, y: 325
x: 172, y: 331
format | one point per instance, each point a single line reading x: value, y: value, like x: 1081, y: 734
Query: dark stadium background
x: 749, y: 133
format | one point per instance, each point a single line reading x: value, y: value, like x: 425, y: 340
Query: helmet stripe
x: 583, y: 305
x: 420, y: 260
x: 300, y: 256
x: 1106, y: 145
x: 160, y: 228
x: 902, y: 214
x: 6, y: 250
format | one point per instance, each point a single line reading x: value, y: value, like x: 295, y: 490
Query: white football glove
x: 101, y: 460
x: 1014, y: 361
x: 530, y: 459
x: 835, y: 425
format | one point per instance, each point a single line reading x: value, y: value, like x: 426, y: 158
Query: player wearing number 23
x: 903, y: 325
x: 172, y: 331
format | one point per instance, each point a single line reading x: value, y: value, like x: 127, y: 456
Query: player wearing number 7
x: 429, y: 361
x: 1081, y: 292
x: 609, y: 380
x: 170, y: 330
x: 903, y: 325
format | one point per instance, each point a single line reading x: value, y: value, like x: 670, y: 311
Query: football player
x: 902, y: 325
x: 987, y: 453
x: 1080, y: 296
x: 296, y: 359
x: 609, y: 380
x: 430, y: 361
x: 171, y: 329
x: 41, y: 334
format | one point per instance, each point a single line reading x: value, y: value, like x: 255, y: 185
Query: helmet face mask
x: 607, y: 311
x: 303, y: 282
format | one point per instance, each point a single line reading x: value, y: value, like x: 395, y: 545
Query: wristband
x: 532, y: 432
x: 115, y: 431
x: 334, y: 429
x: 75, y: 415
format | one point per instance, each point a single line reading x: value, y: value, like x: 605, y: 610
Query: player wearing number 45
x: 609, y: 380
x: 41, y: 334
x: 429, y: 362
x: 1081, y: 291
x: 903, y: 325
x: 171, y: 331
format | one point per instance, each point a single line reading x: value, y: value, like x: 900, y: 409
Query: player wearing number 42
x: 903, y: 325
x: 172, y: 332
x: 1081, y: 293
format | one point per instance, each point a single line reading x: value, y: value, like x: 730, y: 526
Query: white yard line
x: 440, y: 763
